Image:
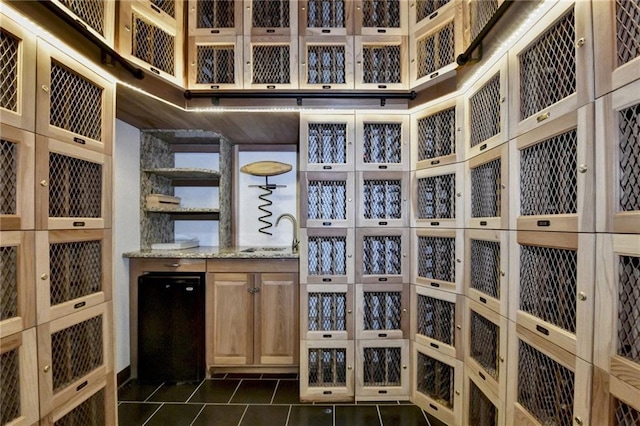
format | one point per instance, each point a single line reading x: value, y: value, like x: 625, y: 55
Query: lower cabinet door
x: 326, y: 370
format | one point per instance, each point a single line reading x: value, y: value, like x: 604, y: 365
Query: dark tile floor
x: 252, y: 400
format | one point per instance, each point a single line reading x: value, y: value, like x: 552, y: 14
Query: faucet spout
x: 295, y: 243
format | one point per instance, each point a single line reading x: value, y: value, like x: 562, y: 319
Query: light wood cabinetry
x: 482, y: 405
x: 375, y: 17
x: 326, y: 311
x: 215, y: 18
x: 327, y: 142
x: 327, y: 256
x: 327, y: 199
x: 252, y: 313
x: 18, y: 56
x: 383, y: 199
x: 422, y: 13
x: 614, y: 401
x: 326, y: 62
x: 487, y: 189
x: 382, y: 311
x: 270, y: 18
x: 98, y: 17
x: 382, y: 255
x: 327, y: 370
x: 382, y: 370
x: 437, y: 259
x: 215, y: 62
x: 270, y: 62
x: 382, y: 142
x: 437, y: 197
x: 17, y: 170
x: 325, y: 17
x: 382, y: 62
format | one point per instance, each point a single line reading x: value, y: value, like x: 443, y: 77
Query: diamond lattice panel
x: 9, y: 287
x: 437, y: 258
x: 153, y: 45
x: 481, y: 12
x: 484, y: 111
x: 76, y: 351
x: 382, y: 143
x: 76, y: 270
x: 327, y: 311
x: 437, y: 135
x: 167, y: 6
x: 381, y: 255
x: 425, y: 8
x: 8, y: 177
x: 271, y: 64
x: 215, y: 14
x: 435, y: 50
x: 436, y: 197
x: 216, y: 64
x: 485, y: 274
x: 327, y: 143
x: 382, y: 199
x: 626, y: 415
x: 327, y: 255
x: 628, y: 30
x: 484, y: 343
x: 545, y: 388
x: 90, y: 412
x: 548, y: 279
x: 381, y: 64
x: 75, y: 187
x: 629, y: 124
x: 382, y: 366
x: 482, y: 412
x: 327, y: 199
x: 436, y: 319
x: 548, y: 68
x: 326, y: 14
x: 326, y: 64
x: 381, y: 13
x: 628, y: 308
x: 9, y: 51
x: 327, y: 367
x: 486, y: 192
x: 76, y: 103
x: 90, y: 12
x: 548, y: 176
x: 270, y: 13
x: 382, y: 310
x: 435, y: 379
x: 9, y: 386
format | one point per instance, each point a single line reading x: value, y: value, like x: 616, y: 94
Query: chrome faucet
x: 295, y: 242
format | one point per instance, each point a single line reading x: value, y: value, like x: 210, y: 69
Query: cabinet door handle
x: 172, y: 265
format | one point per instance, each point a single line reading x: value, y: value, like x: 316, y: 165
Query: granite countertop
x: 212, y: 252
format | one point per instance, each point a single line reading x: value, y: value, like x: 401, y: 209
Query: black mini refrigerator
x: 171, y: 324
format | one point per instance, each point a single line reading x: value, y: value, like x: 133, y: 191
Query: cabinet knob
x: 578, y: 420
x: 404, y: 366
x: 582, y: 168
x: 44, y: 277
x: 580, y: 42
x: 582, y: 296
x: 349, y: 367
x: 45, y: 88
x: 459, y: 327
x: 44, y: 183
x: 46, y: 368
x: 404, y: 310
x: 457, y: 392
x: 348, y: 311
x: 458, y: 194
x: 502, y: 273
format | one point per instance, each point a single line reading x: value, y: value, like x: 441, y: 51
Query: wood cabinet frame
x: 108, y: 22
x: 46, y: 55
x: 24, y: 145
x: 249, y: 61
x: 584, y: 67
x: 24, y: 116
x: 500, y: 305
x: 403, y: 29
x: 326, y: 41
x: 194, y: 30
x: 584, y: 218
x: 361, y: 42
x: 291, y: 30
x: 428, y: 20
x: 327, y: 393
x: 47, y: 312
x: 24, y: 243
x: 432, y: 406
x: 403, y: 220
x: 442, y: 104
x: 578, y: 343
x: 363, y: 118
x: 608, y: 391
x: 457, y: 221
x: 582, y: 370
x: 607, y: 295
x: 403, y: 277
x: 326, y: 335
x: 50, y: 401
x: 346, y: 118
x: 26, y: 345
x: 609, y: 75
x: 402, y: 332
x: 348, y: 178
x: 383, y: 393
x: 502, y: 220
x: 609, y: 218
x: 434, y: 283
x: 472, y: 378
x: 45, y: 146
x: 348, y: 234
x: 497, y: 386
x: 214, y: 41
x: 305, y: 30
x: 452, y: 351
x: 500, y: 69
